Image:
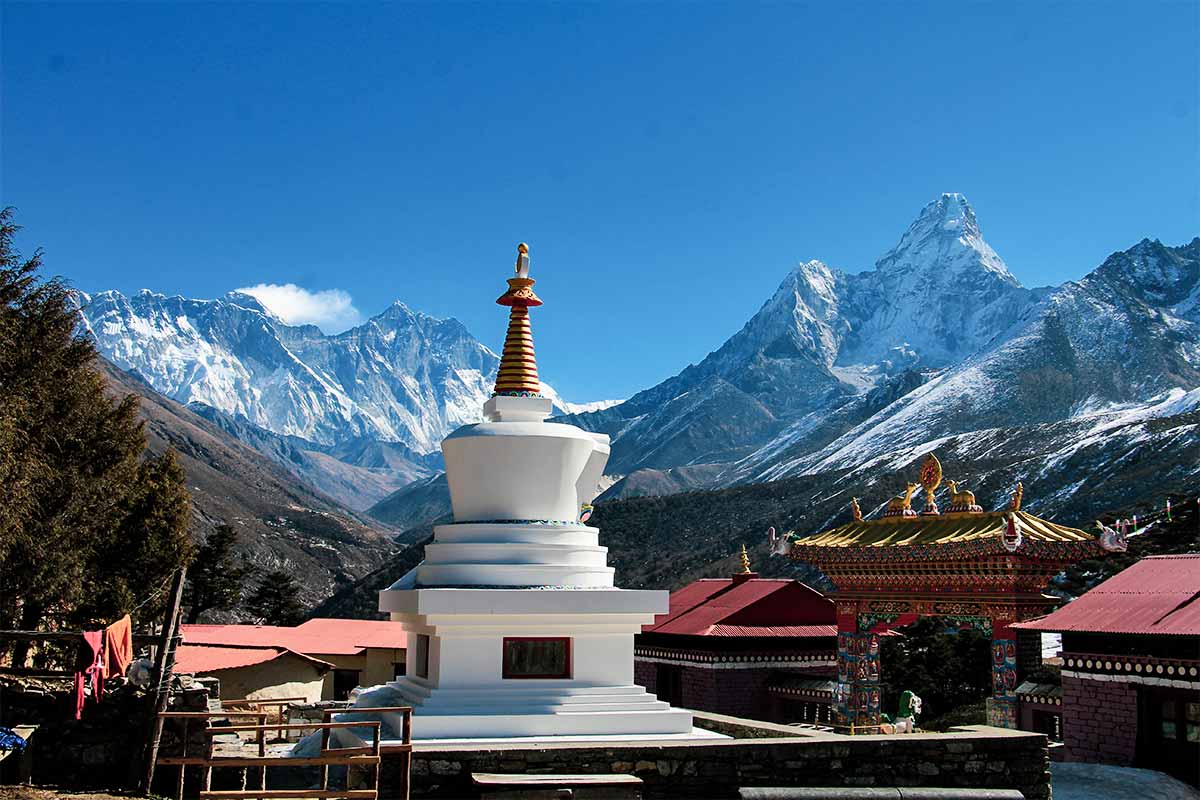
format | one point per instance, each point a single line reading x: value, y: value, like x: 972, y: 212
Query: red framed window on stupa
x: 536, y: 657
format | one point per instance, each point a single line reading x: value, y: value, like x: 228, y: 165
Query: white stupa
x: 515, y: 627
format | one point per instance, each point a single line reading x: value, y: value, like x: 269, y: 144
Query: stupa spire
x: 518, y: 367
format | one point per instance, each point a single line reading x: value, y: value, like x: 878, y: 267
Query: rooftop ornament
x: 931, y: 479
x: 518, y: 376
x: 980, y: 569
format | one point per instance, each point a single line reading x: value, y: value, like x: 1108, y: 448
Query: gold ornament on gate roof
x: 931, y: 479
x: 901, y: 504
x: 1018, y: 493
x: 855, y: 510
x: 962, y: 502
x: 745, y: 561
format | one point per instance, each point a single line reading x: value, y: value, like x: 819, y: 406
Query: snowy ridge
x: 402, y: 376
x: 938, y: 342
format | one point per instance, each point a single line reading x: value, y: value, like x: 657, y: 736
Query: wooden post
x: 166, y: 664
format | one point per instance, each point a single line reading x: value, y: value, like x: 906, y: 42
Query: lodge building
x: 762, y: 648
x: 1131, y: 668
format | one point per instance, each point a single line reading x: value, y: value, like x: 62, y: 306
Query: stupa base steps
x: 489, y: 712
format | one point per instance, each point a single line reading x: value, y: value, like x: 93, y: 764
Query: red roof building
x: 354, y: 652
x: 255, y: 672
x: 204, y: 659
x: 1131, y: 667
x: 762, y: 648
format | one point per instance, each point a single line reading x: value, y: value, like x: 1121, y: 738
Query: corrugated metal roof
x: 1031, y: 689
x: 1157, y: 595
x: 203, y: 658
x: 314, y: 637
x: 940, y: 529
x: 749, y: 606
x: 773, y: 630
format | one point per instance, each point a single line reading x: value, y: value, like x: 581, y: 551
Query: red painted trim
x: 504, y: 661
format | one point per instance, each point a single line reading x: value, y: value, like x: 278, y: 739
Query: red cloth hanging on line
x: 90, y: 665
x: 118, y: 647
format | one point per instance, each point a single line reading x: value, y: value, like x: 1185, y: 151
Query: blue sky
x: 667, y: 163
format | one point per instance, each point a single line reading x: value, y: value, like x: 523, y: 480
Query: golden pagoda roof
x: 941, y: 529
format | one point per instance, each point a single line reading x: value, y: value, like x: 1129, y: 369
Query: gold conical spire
x: 745, y: 561
x: 518, y: 366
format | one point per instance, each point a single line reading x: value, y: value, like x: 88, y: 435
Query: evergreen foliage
x: 89, y: 525
x: 948, y: 671
x: 274, y: 601
x: 215, y: 576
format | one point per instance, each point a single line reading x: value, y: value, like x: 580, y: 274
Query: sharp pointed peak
x: 951, y: 213
x: 945, y: 235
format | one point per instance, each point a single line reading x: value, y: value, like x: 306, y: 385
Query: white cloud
x: 331, y: 310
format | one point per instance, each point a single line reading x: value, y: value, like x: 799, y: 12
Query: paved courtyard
x: 1102, y: 782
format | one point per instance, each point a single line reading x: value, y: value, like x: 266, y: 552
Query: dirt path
x: 35, y: 793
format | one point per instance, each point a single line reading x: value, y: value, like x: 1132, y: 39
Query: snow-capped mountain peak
x: 402, y: 376
x: 945, y: 235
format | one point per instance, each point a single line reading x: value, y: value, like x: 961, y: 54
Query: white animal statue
x: 780, y: 545
x: 906, y: 714
x: 1114, y: 540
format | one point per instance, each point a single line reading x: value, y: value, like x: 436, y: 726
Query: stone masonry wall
x: 980, y: 757
x: 1100, y: 720
x: 102, y: 750
x: 737, y: 692
x: 645, y: 674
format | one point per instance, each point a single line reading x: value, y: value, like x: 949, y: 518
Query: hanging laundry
x: 89, y: 669
x: 118, y: 647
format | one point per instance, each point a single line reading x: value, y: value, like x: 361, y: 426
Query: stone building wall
x: 103, y: 749
x: 979, y: 757
x: 645, y: 674
x: 1029, y: 652
x: 739, y: 692
x: 1100, y: 720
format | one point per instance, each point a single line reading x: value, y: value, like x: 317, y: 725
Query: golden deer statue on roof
x: 901, y: 504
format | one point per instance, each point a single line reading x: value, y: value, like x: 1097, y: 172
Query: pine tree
x: 215, y: 576
x: 274, y: 600
x: 87, y: 523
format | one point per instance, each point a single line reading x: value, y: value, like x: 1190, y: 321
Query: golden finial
x: 518, y: 366
x: 931, y: 479
x: 745, y: 561
x: 855, y: 510
x: 1015, y: 503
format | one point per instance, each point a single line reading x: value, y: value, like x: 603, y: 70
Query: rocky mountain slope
x: 837, y: 375
x: 938, y: 339
x: 937, y: 346
x: 401, y: 376
x: 358, y: 414
x: 281, y: 522
x: 1120, y: 341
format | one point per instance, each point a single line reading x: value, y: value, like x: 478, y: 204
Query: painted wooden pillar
x: 856, y: 693
x: 1002, y: 706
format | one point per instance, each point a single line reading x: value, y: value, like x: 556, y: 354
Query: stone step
x: 515, y: 553
x: 515, y: 532
x: 429, y: 575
